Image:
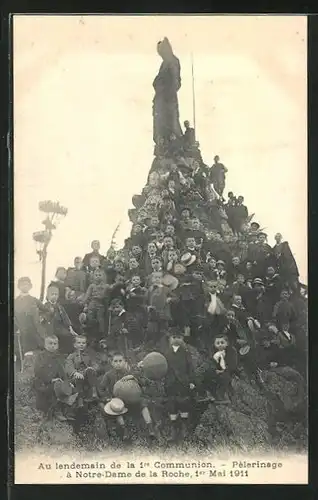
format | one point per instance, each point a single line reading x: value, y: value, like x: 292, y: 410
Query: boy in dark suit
x: 179, y: 382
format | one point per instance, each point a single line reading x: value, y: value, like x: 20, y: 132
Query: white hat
x: 187, y: 259
x: 245, y: 349
x: 115, y: 407
x: 171, y: 281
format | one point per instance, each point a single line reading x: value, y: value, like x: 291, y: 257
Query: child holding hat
x: 115, y: 407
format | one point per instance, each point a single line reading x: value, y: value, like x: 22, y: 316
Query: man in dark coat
x: 189, y: 135
x: 263, y: 255
x: 239, y: 214
x: 285, y: 262
x: 28, y: 328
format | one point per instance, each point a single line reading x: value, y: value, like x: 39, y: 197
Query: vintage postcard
x: 160, y: 313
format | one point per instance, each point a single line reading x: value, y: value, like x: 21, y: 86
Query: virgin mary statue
x: 165, y: 103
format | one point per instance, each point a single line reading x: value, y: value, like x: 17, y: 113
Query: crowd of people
x: 196, y: 275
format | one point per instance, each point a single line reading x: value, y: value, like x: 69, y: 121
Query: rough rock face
x: 288, y: 386
x: 224, y: 426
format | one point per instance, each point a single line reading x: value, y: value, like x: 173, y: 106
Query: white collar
x: 175, y: 348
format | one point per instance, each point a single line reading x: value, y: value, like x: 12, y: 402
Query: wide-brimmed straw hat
x: 245, y: 349
x: 187, y: 259
x: 115, y: 406
x: 170, y: 281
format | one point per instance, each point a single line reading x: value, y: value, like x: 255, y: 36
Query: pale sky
x: 83, y: 121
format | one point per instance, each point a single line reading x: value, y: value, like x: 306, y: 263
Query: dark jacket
x: 157, y: 298
x: 284, y: 313
x: 61, y: 286
x: 135, y: 299
x: 47, y: 366
x: 88, y: 256
x: 76, y: 280
x: 106, y: 385
x: 231, y: 360
x: 27, y: 322
x: 56, y: 322
x: 180, y: 371
x: 285, y: 260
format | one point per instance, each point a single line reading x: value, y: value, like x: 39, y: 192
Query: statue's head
x: 164, y: 48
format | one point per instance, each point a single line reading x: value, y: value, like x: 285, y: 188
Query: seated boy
x: 81, y: 368
x: 48, y: 373
x: 121, y: 370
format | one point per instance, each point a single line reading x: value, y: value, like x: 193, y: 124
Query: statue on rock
x: 165, y: 103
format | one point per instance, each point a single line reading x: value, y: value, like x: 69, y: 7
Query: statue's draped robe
x: 165, y: 103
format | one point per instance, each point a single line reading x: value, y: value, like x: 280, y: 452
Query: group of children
x: 195, y: 275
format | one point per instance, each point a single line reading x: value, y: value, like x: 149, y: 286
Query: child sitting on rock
x: 81, y: 368
x: 50, y: 380
x: 122, y: 371
x: 119, y: 369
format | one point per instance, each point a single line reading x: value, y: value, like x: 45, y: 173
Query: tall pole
x: 43, y: 272
x: 193, y: 95
x: 43, y: 260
